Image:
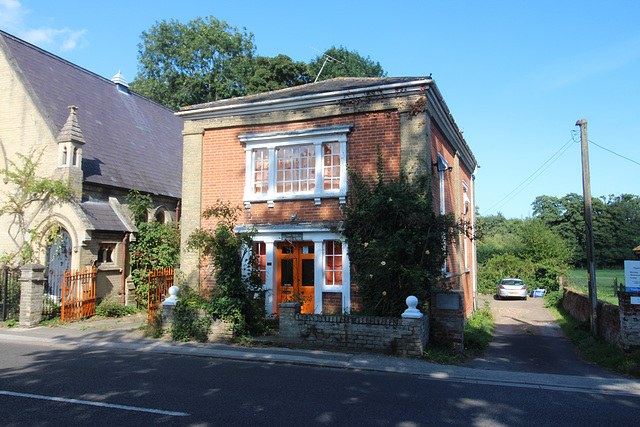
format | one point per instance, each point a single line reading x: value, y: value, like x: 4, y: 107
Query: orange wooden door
x: 296, y: 281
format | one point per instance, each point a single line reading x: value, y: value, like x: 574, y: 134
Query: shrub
x: 110, y: 308
x: 230, y: 253
x: 395, y: 240
x: 191, y: 318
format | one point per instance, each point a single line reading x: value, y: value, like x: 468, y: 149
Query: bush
x: 554, y: 298
x: 191, y: 319
x: 110, y: 308
x: 395, y: 239
x: 478, y: 331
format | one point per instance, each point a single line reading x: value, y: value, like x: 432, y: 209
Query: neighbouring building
x: 103, y: 138
x: 283, y: 157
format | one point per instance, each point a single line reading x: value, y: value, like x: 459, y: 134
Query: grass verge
x: 596, y: 349
x: 477, y: 335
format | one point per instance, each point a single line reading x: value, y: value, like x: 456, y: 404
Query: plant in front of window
x: 156, y: 246
x: 229, y: 253
x: 395, y: 239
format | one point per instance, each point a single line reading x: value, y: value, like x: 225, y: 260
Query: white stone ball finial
x: 173, y: 296
x: 412, y: 312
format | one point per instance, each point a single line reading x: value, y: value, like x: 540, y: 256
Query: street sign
x: 632, y: 276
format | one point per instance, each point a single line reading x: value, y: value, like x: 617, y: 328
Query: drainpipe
x: 124, y: 269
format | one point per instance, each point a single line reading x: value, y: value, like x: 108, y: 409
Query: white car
x: 511, y: 288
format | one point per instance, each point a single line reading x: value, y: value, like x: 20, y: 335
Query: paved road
x: 528, y: 339
x: 53, y: 383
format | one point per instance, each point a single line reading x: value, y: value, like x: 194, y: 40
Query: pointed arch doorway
x: 58, y: 260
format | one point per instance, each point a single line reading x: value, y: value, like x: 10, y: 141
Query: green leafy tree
x: 276, y: 73
x: 496, y: 235
x: 185, y: 64
x: 395, y: 240
x: 229, y: 254
x: 354, y: 65
x: 30, y: 196
x: 616, y: 225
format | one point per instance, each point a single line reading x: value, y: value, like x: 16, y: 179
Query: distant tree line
x: 540, y: 248
x: 207, y: 60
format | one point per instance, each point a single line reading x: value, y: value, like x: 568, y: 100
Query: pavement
x: 126, y: 334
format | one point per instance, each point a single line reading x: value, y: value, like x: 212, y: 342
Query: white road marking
x: 92, y: 403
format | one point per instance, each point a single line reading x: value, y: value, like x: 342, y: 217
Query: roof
x: 333, y: 91
x: 103, y: 216
x: 340, y: 84
x: 131, y: 141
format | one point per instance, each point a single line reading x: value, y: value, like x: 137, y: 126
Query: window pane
x: 297, y: 163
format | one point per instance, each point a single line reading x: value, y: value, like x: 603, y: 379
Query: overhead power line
x: 613, y: 152
x: 524, y: 184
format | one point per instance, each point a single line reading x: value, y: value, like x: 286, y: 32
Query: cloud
x: 64, y: 39
x: 11, y: 14
x: 13, y: 18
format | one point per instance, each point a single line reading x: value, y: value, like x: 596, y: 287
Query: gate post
x: 31, y: 294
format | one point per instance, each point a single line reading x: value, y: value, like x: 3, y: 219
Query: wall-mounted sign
x: 632, y: 276
x: 292, y: 237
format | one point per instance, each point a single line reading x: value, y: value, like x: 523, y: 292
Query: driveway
x: 528, y: 339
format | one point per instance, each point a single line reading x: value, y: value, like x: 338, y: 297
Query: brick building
x: 99, y: 135
x: 283, y: 156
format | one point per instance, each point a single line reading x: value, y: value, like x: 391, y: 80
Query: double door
x: 296, y: 274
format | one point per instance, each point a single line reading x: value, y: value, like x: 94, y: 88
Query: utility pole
x: 588, y: 221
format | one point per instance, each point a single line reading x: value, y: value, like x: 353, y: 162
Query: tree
x: 276, y: 73
x: 395, y: 240
x: 235, y: 269
x: 185, y: 64
x: 616, y: 225
x: 354, y: 65
x: 30, y: 196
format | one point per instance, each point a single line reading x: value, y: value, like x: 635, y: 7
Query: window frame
x: 272, y: 141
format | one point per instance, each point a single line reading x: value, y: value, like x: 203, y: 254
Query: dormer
x: 70, y: 142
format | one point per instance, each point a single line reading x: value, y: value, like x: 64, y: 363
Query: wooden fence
x: 78, y: 294
x: 159, y: 283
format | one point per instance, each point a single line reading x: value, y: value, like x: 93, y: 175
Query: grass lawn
x: 604, y: 283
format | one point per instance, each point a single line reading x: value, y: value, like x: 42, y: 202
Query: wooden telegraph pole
x: 591, y: 256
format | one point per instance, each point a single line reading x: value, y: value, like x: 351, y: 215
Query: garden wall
x: 629, y: 320
x: 577, y: 304
x: 398, y: 337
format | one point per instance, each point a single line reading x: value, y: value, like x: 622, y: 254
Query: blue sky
x: 516, y: 75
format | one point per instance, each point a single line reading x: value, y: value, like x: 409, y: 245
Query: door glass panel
x: 286, y: 266
x: 307, y: 272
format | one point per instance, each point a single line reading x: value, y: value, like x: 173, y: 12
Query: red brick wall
x: 224, y: 164
x: 223, y: 174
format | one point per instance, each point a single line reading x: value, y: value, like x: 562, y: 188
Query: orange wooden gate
x: 78, y: 294
x: 159, y: 283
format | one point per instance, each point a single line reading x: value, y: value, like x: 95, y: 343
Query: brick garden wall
x: 577, y: 304
x: 398, y: 337
x: 629, y: 321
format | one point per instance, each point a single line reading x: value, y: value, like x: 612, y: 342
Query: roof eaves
x: 316, y: 99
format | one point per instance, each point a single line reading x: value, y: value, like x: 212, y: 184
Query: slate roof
x: 131, y: 141
x: 332, y: 85
x: 103, y: 216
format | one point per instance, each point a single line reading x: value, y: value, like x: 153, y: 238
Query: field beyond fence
x: 607, y: 283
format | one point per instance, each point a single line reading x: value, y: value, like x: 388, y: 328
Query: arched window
x: 75, y: 157
x: 63, y: 161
